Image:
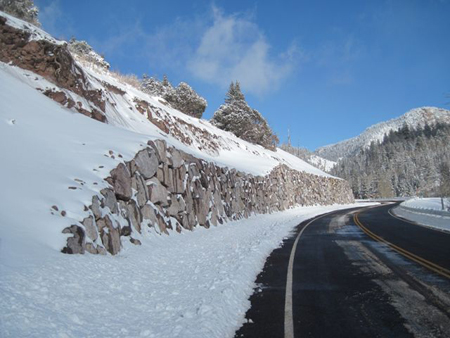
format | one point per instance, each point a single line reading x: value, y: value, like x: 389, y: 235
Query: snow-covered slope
x: 321, y: 163
x: 426, y: 211
x: 53, y: 155
x: 414, y: 118
x: 128, y: 108
x: 54, y: 160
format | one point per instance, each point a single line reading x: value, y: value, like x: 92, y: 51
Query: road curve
x: 346, y: 283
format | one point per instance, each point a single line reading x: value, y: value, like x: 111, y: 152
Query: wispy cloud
x: 220, y: 48
x: 233, y: 47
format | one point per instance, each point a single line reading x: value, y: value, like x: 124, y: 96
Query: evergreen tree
x: 22, y: 9
x: 182, y: 98
x: 238, y: 117
x: 406, y: 163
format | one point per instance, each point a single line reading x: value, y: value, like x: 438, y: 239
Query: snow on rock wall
x: 163, y: 187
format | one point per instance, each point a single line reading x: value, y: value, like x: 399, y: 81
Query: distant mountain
x: 415, y: 118
x: 408, y: 162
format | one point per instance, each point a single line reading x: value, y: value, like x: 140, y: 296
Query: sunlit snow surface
x: 423, y: 211
x: 193, y: 284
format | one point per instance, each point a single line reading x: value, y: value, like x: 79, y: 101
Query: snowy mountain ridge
x: 414, y: 118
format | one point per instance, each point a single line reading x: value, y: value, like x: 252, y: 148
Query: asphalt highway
x: 354, y: 273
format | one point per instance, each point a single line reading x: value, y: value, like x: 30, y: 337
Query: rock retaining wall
x: 165, y: 188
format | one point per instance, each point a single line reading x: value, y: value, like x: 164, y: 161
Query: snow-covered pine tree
x: 238, y: 117
x: 406, y: 163
x: 186, y: 100
x: 22, y: 9
x: 182, y: 98
x: 153, y: 86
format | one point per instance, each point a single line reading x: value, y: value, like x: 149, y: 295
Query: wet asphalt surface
x: 341, y: 281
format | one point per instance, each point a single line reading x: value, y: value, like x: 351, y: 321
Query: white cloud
x: 234, y: 48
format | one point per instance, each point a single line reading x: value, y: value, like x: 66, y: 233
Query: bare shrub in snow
x: 130, y: 79
x: 22, y: 9
x: 238, y: 117
x: 84, y: 52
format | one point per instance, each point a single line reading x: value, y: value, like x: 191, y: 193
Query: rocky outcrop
x: 53, y: 62
x: 164, y: 188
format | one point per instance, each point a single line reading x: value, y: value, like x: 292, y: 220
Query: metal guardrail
x: 426, y: 211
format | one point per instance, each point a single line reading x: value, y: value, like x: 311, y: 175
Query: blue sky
x: 324, y: 69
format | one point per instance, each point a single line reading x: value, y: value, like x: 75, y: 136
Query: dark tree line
x: 408, y: 162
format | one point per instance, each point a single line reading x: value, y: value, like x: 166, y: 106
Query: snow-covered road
x: 193, y: 284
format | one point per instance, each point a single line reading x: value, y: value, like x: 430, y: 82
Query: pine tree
x: 234, y: 93
x: 165, y: 81
x: 239, y: 96
x: 407, y: 163
x: 246, y: 123
x: 182, y: 98
x: 22, y: 9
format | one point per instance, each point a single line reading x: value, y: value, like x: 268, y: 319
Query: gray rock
x: 95, y: 207
x: 157, y: 192
x: 149, y: 215
x: 176, y: 159
x: 178, y: 179
x: 134, y: 216
x: 193, y: 171
x: 90, y: 228
x: 135, y: 241
x: 142, y: 191
x: 91, y: 248
x: 161, y: 147
x: 214, y: 216
x: 109, y: 200
x: 147, y: 163
x: 163, y: 226
x: 101, y: 250
x: 122, y: 182
x: 75, y: 244
x: 177, y: 205
x: 110, y: 236
x: 125, y: 231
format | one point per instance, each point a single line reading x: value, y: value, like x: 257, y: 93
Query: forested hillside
x: 407, y: 162
x: 415, y: 118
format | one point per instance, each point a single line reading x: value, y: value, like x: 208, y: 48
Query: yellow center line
x: 422, y: 261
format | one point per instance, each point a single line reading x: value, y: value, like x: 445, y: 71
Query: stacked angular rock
x: 164, y: 188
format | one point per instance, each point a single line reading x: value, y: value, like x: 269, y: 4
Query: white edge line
x: 288, y: 316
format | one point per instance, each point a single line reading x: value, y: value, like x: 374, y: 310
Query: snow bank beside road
x: 425, y: 211
x: 194, y: 284
x: 425, y: 204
